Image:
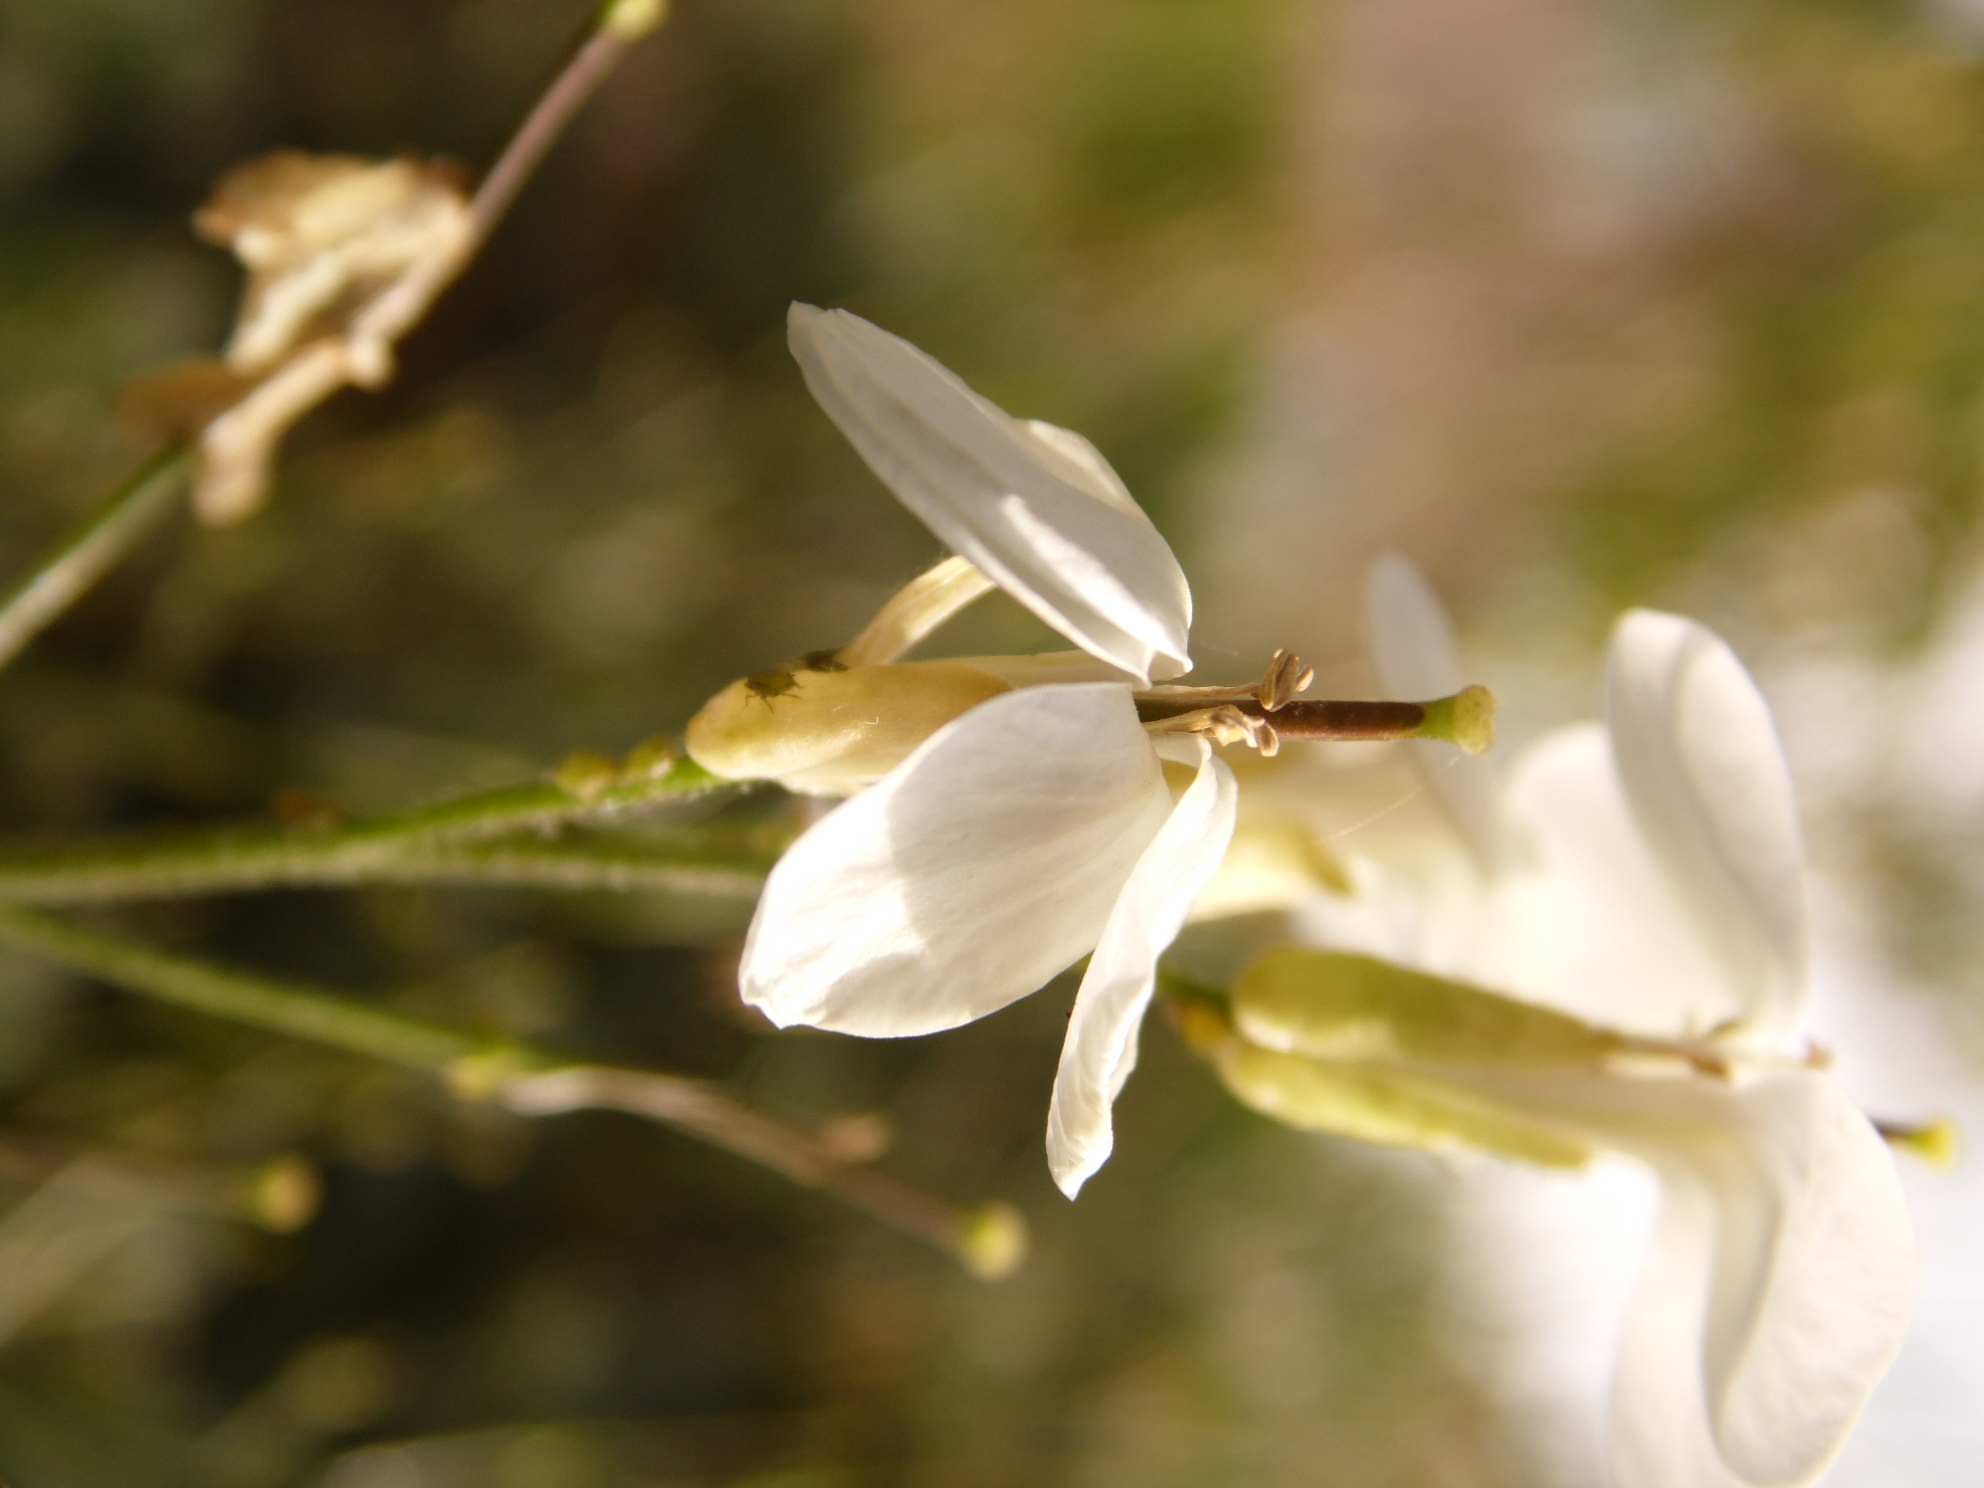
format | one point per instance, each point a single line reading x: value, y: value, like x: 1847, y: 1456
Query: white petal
x: 1043, y: 667
x: 1701, y: 763
x: 1584, y: 918
x: 1412, y: 651
x: 982, y: 865
x: 1778, y: 1291
x: 1660, y: 1435
x: 1035, y: 507
x: 1779, y: 1281
x: 1101, y: 1047
x: 1797, y: 1345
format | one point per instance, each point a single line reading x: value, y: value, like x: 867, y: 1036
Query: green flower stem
x: 89, y: 549
x: 260, y: 1002
x: 492, y: 837
x: 989, y: 1241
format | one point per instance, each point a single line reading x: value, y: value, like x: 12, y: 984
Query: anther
x: 1286, y: 676
x: 1223, y: 725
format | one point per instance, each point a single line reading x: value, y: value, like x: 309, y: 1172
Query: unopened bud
x: 1335, y: 1005
x: 650, y: 759
x: 632, y: 19
x: 482, y: 1075
x: 992, y: 1241
x: 831, y: 730
x: 284, y: 1194
x: 585, y: 773
x: 1467, y: 719
x: 1388, y: 1106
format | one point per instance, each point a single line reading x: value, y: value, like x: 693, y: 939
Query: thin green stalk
x: 260, y: 1002
x: 90, y: 548
x: 491, y: 837
x: 989, y: 1240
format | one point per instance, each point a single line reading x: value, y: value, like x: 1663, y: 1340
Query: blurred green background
x: 1583, y: 303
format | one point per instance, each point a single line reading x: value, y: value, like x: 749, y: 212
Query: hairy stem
x: 492, y: 837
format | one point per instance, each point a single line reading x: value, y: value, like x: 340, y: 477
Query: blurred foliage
x: 1740, y: 363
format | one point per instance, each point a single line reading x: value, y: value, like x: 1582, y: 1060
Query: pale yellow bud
x: 1373, y: 1103
x: 284, y: 1193
x: 993, y: 1242
x: 830, y: 731
x: 632, y: 19
x: 1331, y: 1005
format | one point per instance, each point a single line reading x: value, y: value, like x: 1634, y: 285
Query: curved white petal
x: 1101, y: 1047
x: 974, y: 871
x: 1796, y: 1346
x: 1412, y: 651
x: 1036, y: 508
x: 1778, y: 1283
x: 1701, y: 764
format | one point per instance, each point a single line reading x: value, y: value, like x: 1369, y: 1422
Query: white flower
x: 1017, y: 820
x: 1638, y: 888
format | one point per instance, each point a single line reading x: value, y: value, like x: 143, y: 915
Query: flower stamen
x: 1223, y: 724
x: 1287, y: 675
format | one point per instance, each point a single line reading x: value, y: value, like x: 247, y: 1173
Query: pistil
x: 1268, y: 711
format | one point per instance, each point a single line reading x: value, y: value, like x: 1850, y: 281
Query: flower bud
x: 829, y: 730
x: 993, y: 1241
x: 1372, y: 1103
x: 1329, y: 1005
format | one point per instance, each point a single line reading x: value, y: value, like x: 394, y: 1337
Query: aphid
x: 764, y: 686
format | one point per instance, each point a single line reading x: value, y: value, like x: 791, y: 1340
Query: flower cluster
x: 1604, y: 953
x: 1607, y: 952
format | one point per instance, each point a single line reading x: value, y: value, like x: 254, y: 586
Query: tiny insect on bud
x: 829, y: 729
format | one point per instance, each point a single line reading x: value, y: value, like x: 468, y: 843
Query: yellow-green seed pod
x: 1374, y: 1104
x: 828, y: 732
x: 1329, y: 1005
